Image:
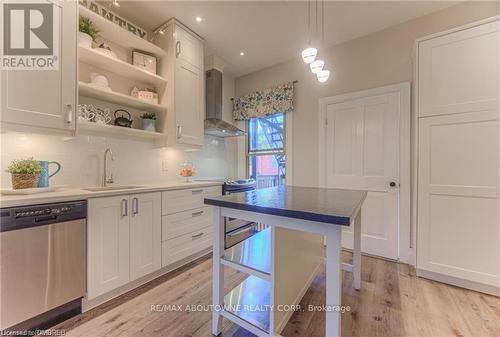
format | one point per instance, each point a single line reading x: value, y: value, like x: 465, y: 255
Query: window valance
x: 265, y: 102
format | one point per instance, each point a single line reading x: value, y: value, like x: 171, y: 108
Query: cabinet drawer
x: 183, y: 246
x: 188, y: 199
x: 177, y: 224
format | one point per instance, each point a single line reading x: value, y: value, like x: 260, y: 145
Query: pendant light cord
x: 309, y: 22
x: 316, y: 7
x: 323, y: 23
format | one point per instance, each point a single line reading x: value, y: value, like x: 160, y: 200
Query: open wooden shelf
x: 118, y: 130
x: 254, y: 293
x: 117, y: 66
x: 89, y: 90
x: 251, y: 256
x: 118, y: 35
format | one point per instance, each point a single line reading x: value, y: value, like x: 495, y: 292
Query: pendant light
x: 323, y: 75
x: 317, y: 66
x: 309, y: 54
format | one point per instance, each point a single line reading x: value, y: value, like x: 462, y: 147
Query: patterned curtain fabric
x: 265, y: 102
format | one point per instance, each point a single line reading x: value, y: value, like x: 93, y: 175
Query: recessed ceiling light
x: 242, y: 54
x: 198, y: 19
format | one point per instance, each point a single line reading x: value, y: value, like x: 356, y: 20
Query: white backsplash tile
x: 135, y: 161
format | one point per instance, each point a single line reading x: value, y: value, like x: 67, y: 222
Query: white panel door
x: 362, y: 152
x: 458, y: 196
x: 459, y: 72
x: 189, y: 106
x: 145, y: 234
x: 45, y: 98
x: 108, y: 243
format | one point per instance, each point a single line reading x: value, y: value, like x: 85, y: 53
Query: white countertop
x: 71, y: 194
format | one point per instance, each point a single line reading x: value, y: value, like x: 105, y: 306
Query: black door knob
x: 392, y: 184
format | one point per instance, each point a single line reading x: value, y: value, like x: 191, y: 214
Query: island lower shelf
x: 250, y: 301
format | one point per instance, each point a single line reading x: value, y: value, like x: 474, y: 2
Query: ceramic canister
x: 44, y: 176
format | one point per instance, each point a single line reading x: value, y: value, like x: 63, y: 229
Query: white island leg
x: 218, y: 271
x: 333, y: 281
x: 356, y: 255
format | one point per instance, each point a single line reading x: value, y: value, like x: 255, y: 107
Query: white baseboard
x: 483, y: 288
x: 90, y: 304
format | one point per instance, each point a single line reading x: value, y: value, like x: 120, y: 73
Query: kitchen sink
x: 111, y: 188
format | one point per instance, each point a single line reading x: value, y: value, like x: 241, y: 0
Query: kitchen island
x: 283, y: 260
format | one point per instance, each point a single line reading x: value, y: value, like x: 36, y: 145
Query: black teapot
x: 122, y: 120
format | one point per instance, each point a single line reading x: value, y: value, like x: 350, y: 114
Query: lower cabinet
x: 458, y: 198
x: 145, y: 234
x: 124, y: 240
x: 132, y: 236
x: 186, y: 233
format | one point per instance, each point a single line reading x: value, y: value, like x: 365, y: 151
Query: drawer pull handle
x: 196, y: 191
x: 197, y: 213
x: 197, y: 235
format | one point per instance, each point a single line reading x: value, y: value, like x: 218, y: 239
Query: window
x: 266, y: 150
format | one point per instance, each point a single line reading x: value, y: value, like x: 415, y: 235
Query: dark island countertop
x: 334, y: 206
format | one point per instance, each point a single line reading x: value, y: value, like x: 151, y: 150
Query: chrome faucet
x: 106, y: 180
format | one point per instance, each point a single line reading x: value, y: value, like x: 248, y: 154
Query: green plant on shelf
x: 87, y: 26
x: 148, y: 115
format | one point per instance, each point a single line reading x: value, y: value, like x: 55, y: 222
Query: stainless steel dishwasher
x: 42, y: 264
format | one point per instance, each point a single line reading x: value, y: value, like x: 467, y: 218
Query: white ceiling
x: 271, y: 32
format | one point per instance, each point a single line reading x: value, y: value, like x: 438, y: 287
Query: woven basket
x: 20, y: 181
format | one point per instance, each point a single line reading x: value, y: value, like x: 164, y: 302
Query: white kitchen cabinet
x: 186, y: 223
x: 45, y: 98
x: 108, y: 244
x: 145, y: 231
x: 459, y: 72
x: 189, y: 109
x: 458, y: 228
x: 186, y: 90
x: 124, y: 240
x: 188, y: 46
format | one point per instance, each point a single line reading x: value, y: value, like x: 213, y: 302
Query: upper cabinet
x: 186, y: 110
x: 125, y: 74
x: 458, y: 73
x: 45, y: 98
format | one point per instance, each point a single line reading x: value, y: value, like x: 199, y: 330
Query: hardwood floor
x: 392, y: 302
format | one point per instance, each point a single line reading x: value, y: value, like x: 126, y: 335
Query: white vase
x: 84, y: 40
x: 149, y: 124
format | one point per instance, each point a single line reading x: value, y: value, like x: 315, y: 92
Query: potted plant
x: 87, y: 32
x: 25, y: 173
x: 149, y: 121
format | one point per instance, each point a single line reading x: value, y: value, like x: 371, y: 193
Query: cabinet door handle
x: 124, y: 207
x: 177, y: 49
x: 196, y: 236
x: 179, y: 132
x: 69, y: 114
x: 197, y: 213
x: 196, y: 191
x: 135, y: 206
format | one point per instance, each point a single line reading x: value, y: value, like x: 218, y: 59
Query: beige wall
x: 375, y: 60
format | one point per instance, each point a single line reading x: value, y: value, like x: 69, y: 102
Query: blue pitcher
x: 44, y: 176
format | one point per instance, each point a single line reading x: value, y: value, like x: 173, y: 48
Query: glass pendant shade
x: 323, y: 75
x: 317, y: 66
x: 309, y: 54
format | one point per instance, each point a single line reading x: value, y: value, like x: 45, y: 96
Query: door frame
x: 405, y: 247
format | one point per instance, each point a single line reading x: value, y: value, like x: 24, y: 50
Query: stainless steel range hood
x: 214, y: 125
